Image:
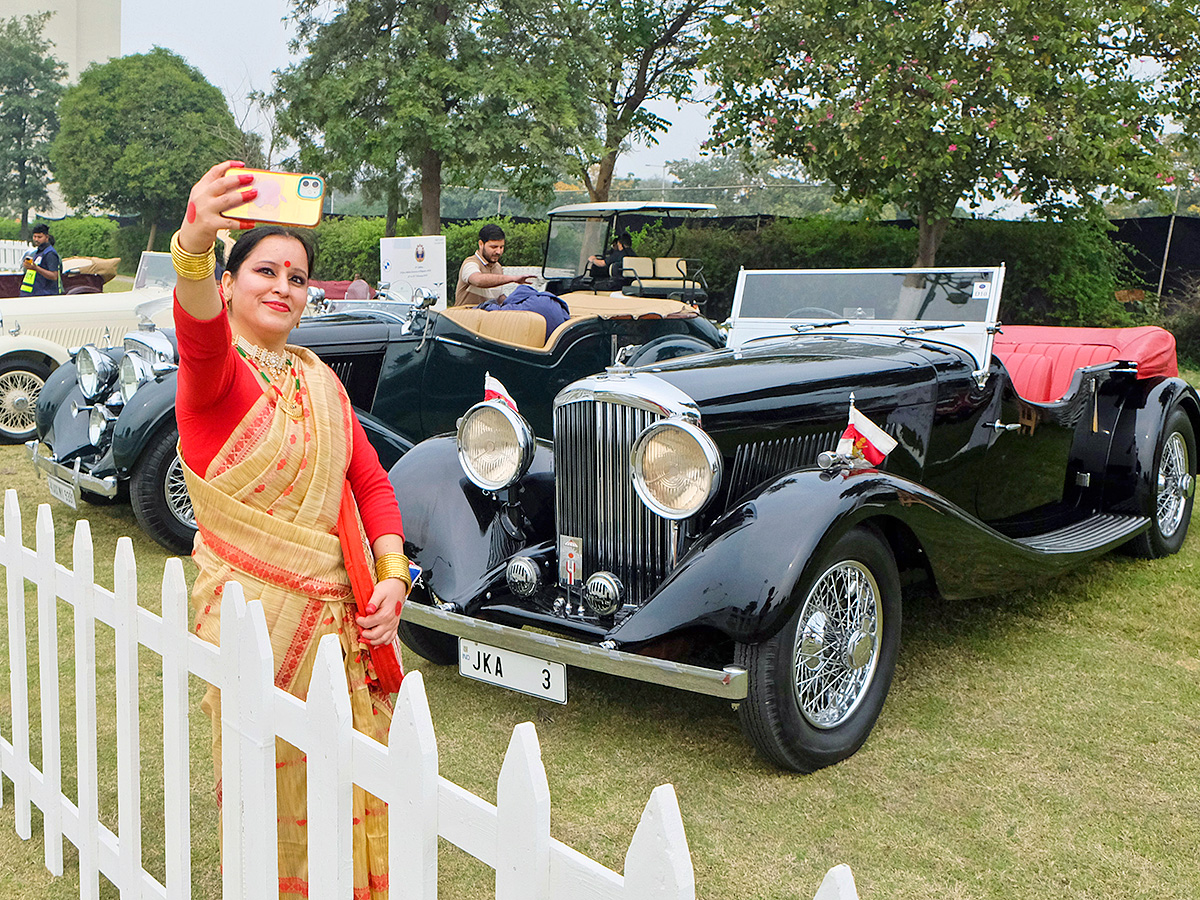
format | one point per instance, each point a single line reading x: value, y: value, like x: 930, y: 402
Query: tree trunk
x: 930, y: 231
x: 393, y: 210
x: 153, y: 234
x: 24, y: 203
x: 431, y: 193
x: 600, y: 188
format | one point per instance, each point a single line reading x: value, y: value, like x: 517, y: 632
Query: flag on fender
x: 494, y: 390
x: 863, y: 442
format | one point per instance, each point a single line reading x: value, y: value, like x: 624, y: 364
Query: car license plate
x: 515, y: 671
x: 62, y: 490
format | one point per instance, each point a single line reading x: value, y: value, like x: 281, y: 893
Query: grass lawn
x: 1037, y: 744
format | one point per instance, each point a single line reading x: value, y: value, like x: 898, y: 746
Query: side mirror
x: 423, y: 298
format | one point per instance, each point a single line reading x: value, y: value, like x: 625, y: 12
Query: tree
x: 137, y: 132
x: 30, y: 87
x: 929, y: 103
x: 397, y: 92
x: 742, y: 184
x: 625, y: 54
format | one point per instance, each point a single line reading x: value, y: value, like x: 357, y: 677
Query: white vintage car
x: 36, y: 332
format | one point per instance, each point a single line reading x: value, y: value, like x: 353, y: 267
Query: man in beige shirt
x: 481, y: 277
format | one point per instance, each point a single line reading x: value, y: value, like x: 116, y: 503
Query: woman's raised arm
x: 222, y: 188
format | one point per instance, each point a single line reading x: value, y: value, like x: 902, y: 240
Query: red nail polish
x: 249, y: 195
x: 245, y: 179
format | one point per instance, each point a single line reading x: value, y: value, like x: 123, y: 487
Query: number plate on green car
x: 515, y: 671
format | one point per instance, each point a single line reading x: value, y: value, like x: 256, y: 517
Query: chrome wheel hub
x: 837, y: 644
x: 1174, y: 485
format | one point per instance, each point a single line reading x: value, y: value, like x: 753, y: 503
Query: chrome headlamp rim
x: 94, y: 371
x: 523, y: 437
x: 132, y: 374
x: 100, y: 419
x: 712, y: 460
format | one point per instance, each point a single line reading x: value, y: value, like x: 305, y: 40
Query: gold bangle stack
x: 193, y: 266
x: 393, y: 565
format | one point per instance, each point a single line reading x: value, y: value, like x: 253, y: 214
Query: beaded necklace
x: 279, y: 364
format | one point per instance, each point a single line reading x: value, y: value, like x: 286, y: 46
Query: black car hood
x: 775, y: 377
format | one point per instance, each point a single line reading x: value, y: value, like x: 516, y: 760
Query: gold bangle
x: 393, y: 565
x: 193, y: 266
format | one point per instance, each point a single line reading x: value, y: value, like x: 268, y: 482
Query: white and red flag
x: 863, y: 442
x: 494, y: 390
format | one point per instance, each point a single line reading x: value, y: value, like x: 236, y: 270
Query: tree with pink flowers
x: 930, y: 104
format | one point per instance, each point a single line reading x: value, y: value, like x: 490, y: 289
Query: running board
x: 1100, y: 530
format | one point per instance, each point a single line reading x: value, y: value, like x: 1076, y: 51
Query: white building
x: 83, y: 31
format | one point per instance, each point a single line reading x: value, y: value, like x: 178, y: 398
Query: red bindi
x: 287, y: 263
x: 191, y: 212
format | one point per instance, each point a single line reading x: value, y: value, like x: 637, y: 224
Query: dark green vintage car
x: 106, y: 420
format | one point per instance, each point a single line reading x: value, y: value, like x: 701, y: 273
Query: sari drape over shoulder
x: 267, y: 509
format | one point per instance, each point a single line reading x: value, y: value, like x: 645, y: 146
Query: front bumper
x: 72, y: 475
x: 729, y: 683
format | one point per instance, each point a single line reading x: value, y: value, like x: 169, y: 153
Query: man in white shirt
x: 481, y: 277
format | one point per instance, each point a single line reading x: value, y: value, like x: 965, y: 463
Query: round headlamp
x: 676, y: 468
x: 94, y: 371
x: 495, y: 445
x: 132, y: 373
x: 99, y: 421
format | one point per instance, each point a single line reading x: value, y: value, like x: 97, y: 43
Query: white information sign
x: 407, y: 263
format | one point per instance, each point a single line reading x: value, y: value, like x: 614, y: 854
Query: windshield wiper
x: 921, y: 329
x: 808, y: 326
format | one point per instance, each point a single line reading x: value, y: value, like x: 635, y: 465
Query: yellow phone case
x: 284, y: 198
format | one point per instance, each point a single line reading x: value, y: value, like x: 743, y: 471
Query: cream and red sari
x: 266, y: 508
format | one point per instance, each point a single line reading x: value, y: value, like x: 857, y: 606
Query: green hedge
x: 1057, y: 273
x: 10, y: 230
x: 84, y: 236
x: 524, y: 243
x: 349, y: 246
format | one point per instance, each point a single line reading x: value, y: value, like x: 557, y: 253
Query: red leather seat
x: 1067, y: 350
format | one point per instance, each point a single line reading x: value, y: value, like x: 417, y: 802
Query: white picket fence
x: 512, y: 836
x: 11, y: 254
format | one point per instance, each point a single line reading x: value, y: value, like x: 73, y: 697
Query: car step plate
x: 515, y: 671
x: 63, y: 491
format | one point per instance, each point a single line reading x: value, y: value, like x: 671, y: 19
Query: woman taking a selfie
x: 272, y: 452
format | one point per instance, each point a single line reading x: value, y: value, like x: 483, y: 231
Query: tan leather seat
x: 516, y: 327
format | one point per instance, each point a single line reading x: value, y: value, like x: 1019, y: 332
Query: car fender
x: 741, y: 577
x: 389, y: 444
x: 1131, y: 472
x: 152, y: 405
x: 461, y: 536
x: 33, y: 348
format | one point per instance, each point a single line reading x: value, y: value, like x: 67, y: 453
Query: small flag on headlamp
x: 863, y: 442
x: 494, y: 390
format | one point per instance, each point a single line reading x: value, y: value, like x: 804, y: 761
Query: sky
x: 238, y: 44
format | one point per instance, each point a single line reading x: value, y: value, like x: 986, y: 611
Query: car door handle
x: 1000, y: 426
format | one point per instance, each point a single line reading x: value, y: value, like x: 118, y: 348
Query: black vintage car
x: 701, y: 524
x: 106, y: 420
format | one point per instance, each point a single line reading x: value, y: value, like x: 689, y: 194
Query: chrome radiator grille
x: 595, y: 500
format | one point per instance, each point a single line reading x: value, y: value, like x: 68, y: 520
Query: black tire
x: 845, y: 655
x: 1172, y: 492
x: 440, y: 649
x: 21, y: 381
x: 158, y: 494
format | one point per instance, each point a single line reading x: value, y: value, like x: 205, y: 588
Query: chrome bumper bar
x: 72, y: 475
x: 729, y: 683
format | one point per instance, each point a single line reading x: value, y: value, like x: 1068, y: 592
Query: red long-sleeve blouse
x: 216, y: 389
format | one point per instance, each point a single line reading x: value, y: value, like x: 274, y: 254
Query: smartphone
x: 284, y: 198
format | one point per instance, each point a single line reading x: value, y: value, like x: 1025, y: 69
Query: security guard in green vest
x: 43, y: 269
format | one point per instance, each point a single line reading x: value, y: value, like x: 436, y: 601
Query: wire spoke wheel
x: 19, y: 389
x: 179, y: 501
x: 1174, y: 474
x: 837, y: 647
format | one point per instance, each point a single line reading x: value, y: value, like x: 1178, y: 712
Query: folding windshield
x: 959, y: 306
x: 571, y: 241
x: 154, y: 270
